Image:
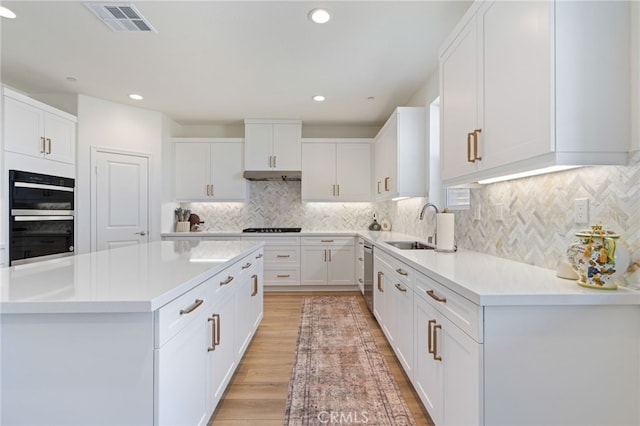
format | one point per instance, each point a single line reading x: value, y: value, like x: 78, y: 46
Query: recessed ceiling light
x: 318, y: 98
x: 319, y: 16
x: 136, y: 97
x: 6, y: 13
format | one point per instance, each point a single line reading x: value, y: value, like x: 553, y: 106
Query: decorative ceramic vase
x: 597, y: 257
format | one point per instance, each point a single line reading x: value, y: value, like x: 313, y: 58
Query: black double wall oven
x: 41, y: 211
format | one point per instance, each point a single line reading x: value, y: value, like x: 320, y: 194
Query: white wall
x: 104, y: 124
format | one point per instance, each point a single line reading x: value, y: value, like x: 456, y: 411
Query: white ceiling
x: 223, y: 61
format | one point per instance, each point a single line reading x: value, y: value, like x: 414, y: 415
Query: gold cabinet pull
x: 399, y: 287
x: 402, y: 272
x: 255, y: 285
x: 42, y: 145
x: 215, y: 332
x: 475, y: 144
x: 361, y: 259
x: 326, y: 241
x: 386, y: 184
x: 48, y: 146
x: 212, y: 193
x: 334, y: 190
x: 379, y: 187
x: 275, y: 159
x: 259, y: 256
x: 435, y: 342
x: 436, y: 297
x: 247, y: 266
x: 380, y: 274
x: 227, y: 281
x: 195, y: 305
x: 329, y: 255
x: 338, y: 190
x: 430, y: 324
x: 283, y: 255
x: 283, y: 275
x: 469, y: 158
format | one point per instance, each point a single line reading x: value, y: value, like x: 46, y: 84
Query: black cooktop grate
x: 272, y: 230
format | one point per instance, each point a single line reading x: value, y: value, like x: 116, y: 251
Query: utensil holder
x: 183, y: 226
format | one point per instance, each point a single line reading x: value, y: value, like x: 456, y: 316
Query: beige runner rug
x: 339, y: 375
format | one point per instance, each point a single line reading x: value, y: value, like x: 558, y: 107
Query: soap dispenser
x: 375, y: 226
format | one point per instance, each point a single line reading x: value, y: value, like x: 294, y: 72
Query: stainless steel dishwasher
x: 368, y: 275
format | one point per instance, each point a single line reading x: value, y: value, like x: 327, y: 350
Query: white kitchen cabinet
x: 336, y: 170
x: 327, y: 261
x: 360, y: 264
x: 221, y: 355
x: 248, y: 302
x: 400, y: 155
x: 519, y: 91
x: 182, y: 391
x: 281, y: 260
x: 448, y: 367
x: 272, y: 145
x: 395, y: 288
x: 38, y: 130
x: 209, y: 170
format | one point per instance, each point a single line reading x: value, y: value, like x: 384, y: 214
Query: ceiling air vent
x: 120, y: 17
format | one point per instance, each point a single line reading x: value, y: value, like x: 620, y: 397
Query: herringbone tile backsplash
x: 538, y: 222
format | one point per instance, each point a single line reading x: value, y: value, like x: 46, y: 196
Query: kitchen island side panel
x: 562, y: 365
x: 77, y: 369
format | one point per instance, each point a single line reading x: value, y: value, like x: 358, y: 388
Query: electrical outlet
x: 477, y: 212
x: 499, y: 211
x: 582, y: 210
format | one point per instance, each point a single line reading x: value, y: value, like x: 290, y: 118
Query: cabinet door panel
x: 181, y: 384
x: 257, y: 146
x: 319, y: 171
x: 428, y: 373
x: 404, y: 328
x: 221, y: 361
x: 286, y: 146
x: 517, y: 81
x: 459, y: 89
x: 192, y: 171
x: 341, y: 266
x: 353, y: 172
x: 60, y: 139
x: 24, y: 128
x: 226, y: 171
x: 314, y: 265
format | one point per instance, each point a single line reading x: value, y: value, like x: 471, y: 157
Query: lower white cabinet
x: 281, y: 260
x: 221, y: 354
x: 360, y: 264
x: 394, y: 291
x: 327, y: 260
x: 447, y: 372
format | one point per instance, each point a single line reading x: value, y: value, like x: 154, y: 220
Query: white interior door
x: 121, y: 195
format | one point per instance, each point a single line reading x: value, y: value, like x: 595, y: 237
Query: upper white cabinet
x: 38, y: 130
x: 209, y: 170
x: 336, y: 170
x: 527, y: 85
x: 272, y: 144
x: 400, y: 155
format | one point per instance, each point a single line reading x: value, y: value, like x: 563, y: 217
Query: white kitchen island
x: 139, y: 335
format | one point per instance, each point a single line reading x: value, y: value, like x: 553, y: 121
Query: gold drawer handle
x: 215, y: 332
x: 192, y: 308
x: 402, y: 272
x: 436, y: 297
x: 227, y: 281
x: 429, y: 333
x: 386, y: 184
x: 283, y: 256
x: 247, y: 266
x: 283, y: 276
x: 259, y: 256
x: 326, y: 241
x: 380, y: 274
x: 255, y: 285
x: 399, y: 287
x: 435, y: 342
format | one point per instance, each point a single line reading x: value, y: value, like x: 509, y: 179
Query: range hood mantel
x: 273, y: 175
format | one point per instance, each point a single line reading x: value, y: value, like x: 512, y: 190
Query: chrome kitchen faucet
x: 435, y: 232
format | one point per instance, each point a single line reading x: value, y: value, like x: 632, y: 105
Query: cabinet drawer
x: 327, y: 241
x: 282, y: 255
x: 462, y: 312
x: 282, y: 276
x: 177, y: 314
x: 402, y: 273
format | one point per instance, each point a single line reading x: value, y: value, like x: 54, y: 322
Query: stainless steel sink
x: 410, y: 245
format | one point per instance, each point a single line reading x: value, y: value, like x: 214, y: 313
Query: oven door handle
x: 42, y: 186
x: 34, y: 212
x: 40, y: 218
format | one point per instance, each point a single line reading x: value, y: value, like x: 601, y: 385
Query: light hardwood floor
x: 257, y: 394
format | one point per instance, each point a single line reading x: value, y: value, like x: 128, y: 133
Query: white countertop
x: 129, y: 279
x: 485, y: 280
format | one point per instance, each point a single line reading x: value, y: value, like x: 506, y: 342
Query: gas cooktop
x: 272, y: 230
